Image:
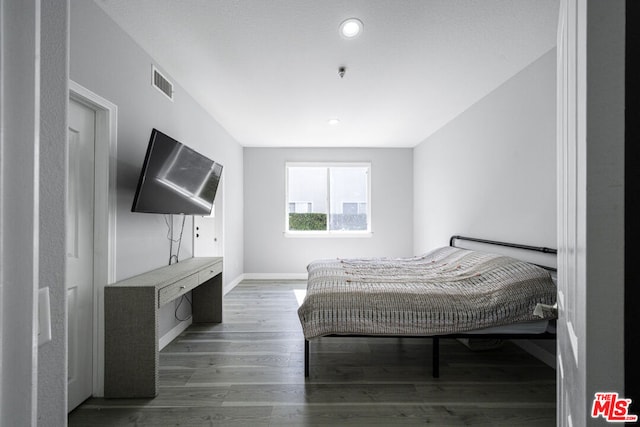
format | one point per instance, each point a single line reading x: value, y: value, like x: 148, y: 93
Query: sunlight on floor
x: 300, y: 294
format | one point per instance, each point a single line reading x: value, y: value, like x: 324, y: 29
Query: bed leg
x: 436, y: 358
x: 306, y: 358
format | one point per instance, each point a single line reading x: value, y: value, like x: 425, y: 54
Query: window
x: 300, y: 207
x: 328, y: 198
x: 353, y: 208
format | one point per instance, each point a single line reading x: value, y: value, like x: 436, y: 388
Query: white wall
x: 268, y: 251
x: 108, y: 62
x: 19, y: 209
x: 491, y: 172
x: 54, y: 78
x: 33, y: 137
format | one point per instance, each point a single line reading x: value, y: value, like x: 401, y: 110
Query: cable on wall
x: 168, y: 219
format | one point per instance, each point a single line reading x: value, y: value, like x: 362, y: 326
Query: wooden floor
x: 249, y: 371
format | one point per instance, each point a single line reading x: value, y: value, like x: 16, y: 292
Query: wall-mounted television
x: 175, y: 179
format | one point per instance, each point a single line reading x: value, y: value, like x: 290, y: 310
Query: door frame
x: 104, y: 225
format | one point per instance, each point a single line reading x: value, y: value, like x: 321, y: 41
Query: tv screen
x: 175, y: 179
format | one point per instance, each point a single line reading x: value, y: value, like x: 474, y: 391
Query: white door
x: 79, y: 280
x: 571, y: 373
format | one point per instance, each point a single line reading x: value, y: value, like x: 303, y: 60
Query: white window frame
x: 328, y: 233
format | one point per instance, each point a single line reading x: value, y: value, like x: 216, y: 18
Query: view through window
x: 325, y: 198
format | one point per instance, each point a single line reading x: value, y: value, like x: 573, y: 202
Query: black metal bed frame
x: 435, y: 360
x: 453, y: 239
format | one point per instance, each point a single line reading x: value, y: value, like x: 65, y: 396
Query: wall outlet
x: 44, y: 316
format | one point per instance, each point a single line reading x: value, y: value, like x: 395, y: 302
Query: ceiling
x: 267, y: 70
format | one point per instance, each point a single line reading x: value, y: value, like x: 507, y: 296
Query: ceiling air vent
x: 161, y: 83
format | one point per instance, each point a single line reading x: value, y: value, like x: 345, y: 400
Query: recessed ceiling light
x: 351, y: 28
x: 333, y: 122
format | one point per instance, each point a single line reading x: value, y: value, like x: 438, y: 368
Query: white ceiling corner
x: 267, y: 71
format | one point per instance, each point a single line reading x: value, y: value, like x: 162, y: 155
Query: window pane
x: 307, y: 193
x: 348, y: 188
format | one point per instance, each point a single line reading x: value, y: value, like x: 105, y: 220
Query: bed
x: 450, y: 292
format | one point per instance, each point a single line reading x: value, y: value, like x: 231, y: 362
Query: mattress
x: 448, y: 290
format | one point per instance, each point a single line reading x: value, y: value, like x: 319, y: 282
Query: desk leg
x: 131, y: 342
x: 207, y: 301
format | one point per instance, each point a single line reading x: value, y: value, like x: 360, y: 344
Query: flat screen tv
x: 175, y: 179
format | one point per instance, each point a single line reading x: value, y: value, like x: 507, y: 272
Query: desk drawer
x: 209, y: 272
x: 174, y: 290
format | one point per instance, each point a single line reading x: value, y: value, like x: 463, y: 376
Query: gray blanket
x: 445, y: 291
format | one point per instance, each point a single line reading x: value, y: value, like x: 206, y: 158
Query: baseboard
x: 275, y: 276
x: 540, y: 353
x: 235, y: 282
x: 173, y: 333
